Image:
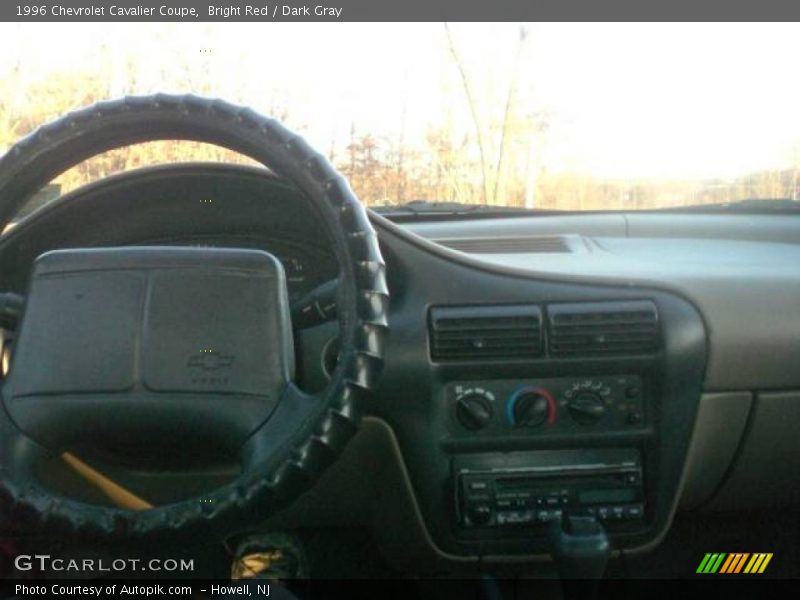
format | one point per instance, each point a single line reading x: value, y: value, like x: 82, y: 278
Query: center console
x: 519, y: 402
x: 554, y: 411
x: 498, y: 494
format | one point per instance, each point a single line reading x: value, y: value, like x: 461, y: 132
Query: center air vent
x: 603, y: 328
x: 477, y: 332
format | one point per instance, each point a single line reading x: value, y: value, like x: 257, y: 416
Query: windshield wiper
x: 745, y: 206
x: 429, y: 209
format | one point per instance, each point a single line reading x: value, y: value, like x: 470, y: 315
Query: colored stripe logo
x: 734, y: 563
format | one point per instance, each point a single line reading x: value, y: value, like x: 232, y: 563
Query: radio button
x: 478, y: 485
x: 479, y: 514
x: 634, y: 511
x: 543, y: 516
x: 515, y: 517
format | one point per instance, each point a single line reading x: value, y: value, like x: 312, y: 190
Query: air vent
x: 603, y: 329
x: 478, y: 332
x: 513, y: 245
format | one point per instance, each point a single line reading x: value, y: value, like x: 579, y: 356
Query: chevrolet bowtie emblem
x: 210, y: 361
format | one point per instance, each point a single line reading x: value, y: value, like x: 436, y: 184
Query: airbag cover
x: 154, y: 326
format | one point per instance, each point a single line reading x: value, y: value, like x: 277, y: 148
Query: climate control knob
x: 473, y: 410
x: 587, y: 407
x: 531, y: 407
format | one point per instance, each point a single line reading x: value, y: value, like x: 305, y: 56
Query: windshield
x: 539, y: 116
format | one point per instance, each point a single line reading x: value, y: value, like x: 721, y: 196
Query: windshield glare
x: 541, y: 116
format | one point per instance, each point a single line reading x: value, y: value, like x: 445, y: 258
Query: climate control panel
x: 541, y: 406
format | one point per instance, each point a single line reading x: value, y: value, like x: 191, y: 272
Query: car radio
x: 524, y: 489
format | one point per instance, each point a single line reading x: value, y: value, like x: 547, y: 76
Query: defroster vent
x: 482, y: 332
x: 603, y: 329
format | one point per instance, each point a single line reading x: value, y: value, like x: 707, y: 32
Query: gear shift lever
x: 580, y: 548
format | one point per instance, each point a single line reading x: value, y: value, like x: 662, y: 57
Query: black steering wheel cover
x: 264, y: 485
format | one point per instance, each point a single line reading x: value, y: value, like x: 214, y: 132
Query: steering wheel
x: 284, y: 437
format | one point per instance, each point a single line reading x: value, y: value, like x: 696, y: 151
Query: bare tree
x: 504, y: 130
x: 472, y: 109
x: 401, y: 145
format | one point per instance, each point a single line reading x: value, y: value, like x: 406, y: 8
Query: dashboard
x: 625, y: 365
x: 199, y: 209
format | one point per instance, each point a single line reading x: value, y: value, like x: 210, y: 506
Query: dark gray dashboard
x: 742, y: 273
x: 718, y: 395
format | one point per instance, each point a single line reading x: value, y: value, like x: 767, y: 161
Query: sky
x: 622, y: 100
